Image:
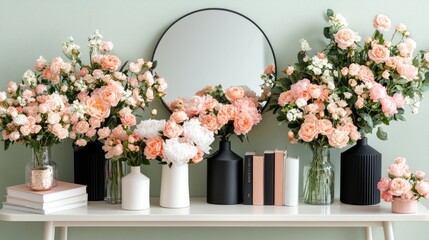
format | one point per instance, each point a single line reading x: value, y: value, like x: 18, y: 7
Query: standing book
x: 61, y: 191
x: 248, y: 178
x: 269, y: 177
x: 279, y: 161
x: 258, y: 180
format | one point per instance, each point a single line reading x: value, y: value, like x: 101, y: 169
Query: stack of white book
x: 62, y: 197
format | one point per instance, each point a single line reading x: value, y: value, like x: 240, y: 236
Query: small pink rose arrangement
x: 231, y: 112
x: 338, y: 95
x: 179, y: 140
x: 402, y: 183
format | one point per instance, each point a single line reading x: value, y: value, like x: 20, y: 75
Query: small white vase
x: 174, y: 186
x: 135, y: 190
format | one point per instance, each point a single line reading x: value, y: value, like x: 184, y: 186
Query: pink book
x: 258, y: 180
x: 279, y: 162
x: 61, y: 191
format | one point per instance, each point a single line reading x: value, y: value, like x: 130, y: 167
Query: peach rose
x: 382, y: 22
x: 308, y: 131
x: 80, y: 142
x: 388, y: 105
x: 111, y: 94
x: 179, y: 116
x: 290, y: 70
x: 103, y: 133
x: 81, y: 127
x: 234, y: 93
x: 324, y: 126
x: 210, y: 122
x: 291, y: 137
x: 285, y: 98
x: 386, y: 196
x: 127, y: 118
x: 399, y: 100
x: 243, y: 124
x: 338, y: 138
x: 229, y: 111
x: 378, y: 53
x: 154, y: 148
x: 96, y: 108
x: 172, y: 129
x: 40, y: 64
x: 399, y: 186
x: 354, y: 69
x: 110, y: 62
x: 119, y: 133
x: 344, y: 71
x: 365, y: 74
x: 346, y: 38
x: 198, y: 157
x: 270, y: 69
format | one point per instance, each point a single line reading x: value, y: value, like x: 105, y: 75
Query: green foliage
x: 381, y: 134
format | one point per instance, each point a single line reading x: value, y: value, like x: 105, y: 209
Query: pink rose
x: 172, y: 129
x: 291, y: 137
x: 407, y: 47
x: 407, y: 71
x: 13, y: 136
x: 103, y: 133
x: 355, y: 135
x: 419, y: 174
x: 12, y: 86
x: 81, y: 127
x: 111, y: 94
x: 40, y: 64
x: 422, y: 187
x: 378, y: 53
x: 119, y: 133
x: 346, y: 38
x: 91, y: 132
x: 344, y: 71
x: 117, y: 150
x: 234, y: 93
x: 270, y: 69
x: 154, y: 148
x: 365, y: 74
x: 308, y: 131
x: 426, y: 57
x: 80, y: 142
x: 399, y: 100
x: 381, y: 22
x: 401, y: 28
x: 388, y: 105
x: 354, y: 69
x: 162, y: 85
x: 399, y: 186
x: 133, y: 138
x: 95, y: 122
x: 338, y: 138
x: 110, y: 62
x: 384, y: 184
x: 127, y: 118
x: 397, y: 170
x: 133, y: 148
x: 285, y: 98
x: 386, y: 196
x: 106, y: 46
x: 148, y: 77
x: 377, y: 92
x: 53, y: 118
x: 324, y: 126
x: 243, y: 124
x: 149, y: 94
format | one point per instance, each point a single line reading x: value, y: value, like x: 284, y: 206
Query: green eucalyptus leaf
x: 327, y: 32
x: 154, y: 64
x: 330, y: 13
x: 381, y: 134
x: 301, y: 56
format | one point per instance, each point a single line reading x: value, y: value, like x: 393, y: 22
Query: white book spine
x: 291, y: 181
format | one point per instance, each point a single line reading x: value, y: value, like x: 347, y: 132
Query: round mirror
x: 212, y: 47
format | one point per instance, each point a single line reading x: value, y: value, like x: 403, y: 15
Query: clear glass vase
x: 319, y: 178
x: 115, y: 171
x: 41, y: 172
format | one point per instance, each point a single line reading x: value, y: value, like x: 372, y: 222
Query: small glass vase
x: 115, y: 170
x: 41, y: 172
x: 319, y: 178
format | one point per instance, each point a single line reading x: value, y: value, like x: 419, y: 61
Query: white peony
x: 149, y: 128
x: 201, y: 136
x: 178, y: 153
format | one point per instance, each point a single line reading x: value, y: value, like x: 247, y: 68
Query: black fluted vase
x: 89, y: 166
x: 225, y: 176
x: 360, y: 172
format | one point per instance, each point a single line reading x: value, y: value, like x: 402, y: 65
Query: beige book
x: 258, y: 180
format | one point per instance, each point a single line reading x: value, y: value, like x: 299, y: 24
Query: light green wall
x: 31, y: 28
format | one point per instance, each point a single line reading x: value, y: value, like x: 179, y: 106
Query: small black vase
x: 360, y: 172
x: 225, y: 176
x: 89, y: 165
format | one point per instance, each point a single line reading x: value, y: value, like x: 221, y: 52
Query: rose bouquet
x: 338, y: 95
x: 99, y: 91
x: 231, y: 112
x: 403, y: 185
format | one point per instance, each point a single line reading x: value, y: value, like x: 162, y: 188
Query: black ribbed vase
x: 89, y: 165
x: 360, y: 172
x: 225, y: 176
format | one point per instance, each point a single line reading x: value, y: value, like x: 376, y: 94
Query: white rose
x: 301, y: 102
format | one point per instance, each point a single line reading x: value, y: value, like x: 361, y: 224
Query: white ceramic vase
x: 135, y: 190
x: 174, y: 186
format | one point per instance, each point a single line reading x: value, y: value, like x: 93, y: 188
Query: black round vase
x: 89, y: 163
x: 225, y: 176
x: 360, y: 173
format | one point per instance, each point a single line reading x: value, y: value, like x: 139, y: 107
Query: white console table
x: 201, y: 214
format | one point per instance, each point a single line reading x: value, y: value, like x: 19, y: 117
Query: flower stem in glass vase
x: 319, y: 178
x: 115, y: 170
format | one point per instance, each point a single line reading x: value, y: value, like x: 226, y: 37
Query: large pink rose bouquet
x: 32, y: 115
x: 402, y: 183
x: 341, y: 93
x: 231, y: 112
x: 103, y: 93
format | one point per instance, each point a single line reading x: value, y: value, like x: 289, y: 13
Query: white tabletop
x: 201, y: 212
